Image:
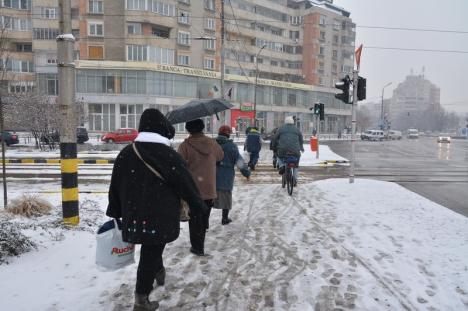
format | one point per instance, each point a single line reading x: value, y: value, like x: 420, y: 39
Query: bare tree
x: 363, y: 118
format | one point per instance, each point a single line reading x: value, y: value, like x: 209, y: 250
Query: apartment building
x: 134, y: 54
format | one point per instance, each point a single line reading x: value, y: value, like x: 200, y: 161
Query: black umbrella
x: 196, y: 109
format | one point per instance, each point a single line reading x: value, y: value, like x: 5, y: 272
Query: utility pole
x: 2, y: 123
x: 222, y: 49
x: 382, y: 107
x: 256, y: 83
x: 317, y: 121
x: 66, y: 98
x: 353, y: 125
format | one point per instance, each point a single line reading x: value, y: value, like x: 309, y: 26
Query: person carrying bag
x: 148, y: 204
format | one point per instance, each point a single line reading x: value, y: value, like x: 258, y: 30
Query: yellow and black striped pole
x: 68, y: 118
x: 69, y: 167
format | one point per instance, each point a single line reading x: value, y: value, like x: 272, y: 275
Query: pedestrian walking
x: 253, y: 145
x: 225, y: 172
x: 147, y: 204
x: 201, y: 154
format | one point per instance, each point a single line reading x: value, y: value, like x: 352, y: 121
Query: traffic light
x: 322, y: 112
x: 317, y: 109
x: 361, y: 90
x: 344, y: 86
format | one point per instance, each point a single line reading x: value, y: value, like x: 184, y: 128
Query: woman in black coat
x: 149, y: 205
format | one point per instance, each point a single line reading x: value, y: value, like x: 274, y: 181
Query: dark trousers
x: 254, y: 157
x: 198, y: 224
x: 150, y: 263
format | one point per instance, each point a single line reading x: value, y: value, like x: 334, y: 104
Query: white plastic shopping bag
x: 111, y: 252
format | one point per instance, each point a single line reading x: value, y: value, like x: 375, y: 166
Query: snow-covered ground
x: 331, y: 246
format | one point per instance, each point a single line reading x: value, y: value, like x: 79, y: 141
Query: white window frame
x: 208, y: 61
x: 95, y: 24
x: 48, y: 13
x: 210, y: 23
x: 135, y: 26
x: 184, y: 17
x: 185, y: 58
x: 134, y: 5
x: 210, y: 5
x: 136, y: 53
x: 96, y: 6
x: 183, y: 38
x: 163, y: 8
x: 323, y: 20
x: 209, y: 44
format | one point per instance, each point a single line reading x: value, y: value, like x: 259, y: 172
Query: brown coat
x: 201, y: 154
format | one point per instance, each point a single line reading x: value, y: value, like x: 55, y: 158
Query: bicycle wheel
x: 283, y: 180
x: 290, y: 181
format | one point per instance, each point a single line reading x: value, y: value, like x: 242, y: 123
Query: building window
x: 160, y: 32
x: 184, y: 17
x: 334, y: 68
x: 48, y: 13
x: 208, y: 63
x: 136, y: 5
x: 323, y: 20
x: 96, y: 52
x: 335, y: 54
x: 134, y: 28
x: 295, y: 20
x: 320, y: 81
x: 16, y: 4
x: 137, y: 53
x: 96, y: 29
x: 96, y: 6
x: 183, y: 38
x: 336, y: 39
x: 15, y: 24
x: 23, y: 47
x: 45, y: 33
x: 162, y: 8
x: 210, y: 23
x: 209, y: 44
x: 322, y: 35
x: 322, y: 50
x: 210, y: 5
x: 183, y: 60
x: 15, y: 65
x: 336, y: 25
x: 185, y: 1
x: 161, y: 55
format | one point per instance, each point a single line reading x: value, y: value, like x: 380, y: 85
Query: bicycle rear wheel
x: 283, y: 180
x: 290, y: 180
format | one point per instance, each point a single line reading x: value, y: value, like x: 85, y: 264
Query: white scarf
x: 149, y: 137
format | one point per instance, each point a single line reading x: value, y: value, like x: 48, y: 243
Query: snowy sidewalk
x: 331, y: 246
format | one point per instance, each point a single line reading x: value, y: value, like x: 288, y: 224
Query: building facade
x: 283, y: 54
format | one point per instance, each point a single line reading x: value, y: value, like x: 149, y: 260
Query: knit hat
x: 152, y: 120
x: 289, y: 120
x: 225, y: 130
x: 195, y: 126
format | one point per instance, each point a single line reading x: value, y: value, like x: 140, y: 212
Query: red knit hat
x: 225, y: 130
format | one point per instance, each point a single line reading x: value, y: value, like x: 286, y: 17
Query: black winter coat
x: 150, y: 207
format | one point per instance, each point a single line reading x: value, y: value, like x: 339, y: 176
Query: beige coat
x: 201, y: 154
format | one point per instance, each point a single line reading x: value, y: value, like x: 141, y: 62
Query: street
x: 438, y: 172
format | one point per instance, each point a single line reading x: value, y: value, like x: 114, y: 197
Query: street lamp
x: 381, y: 107
x: 256, y: 81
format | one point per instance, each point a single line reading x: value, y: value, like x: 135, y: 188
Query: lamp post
x: 382, y: 108
x: 256, y: 81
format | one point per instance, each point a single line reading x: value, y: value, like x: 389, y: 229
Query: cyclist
x: 288, y: 141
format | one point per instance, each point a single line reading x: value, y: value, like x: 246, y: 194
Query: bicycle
x: 288, y: 178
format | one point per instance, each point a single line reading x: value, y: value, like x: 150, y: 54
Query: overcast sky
x: 447, y: 70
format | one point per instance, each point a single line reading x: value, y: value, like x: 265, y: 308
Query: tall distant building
x: 135, y: 54
x: 414, y: 95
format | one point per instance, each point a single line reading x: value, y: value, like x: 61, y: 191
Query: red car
x: 124, y: 135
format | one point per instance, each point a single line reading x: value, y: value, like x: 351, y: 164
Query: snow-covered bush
x: 13, y: 242
x: 29, y: 206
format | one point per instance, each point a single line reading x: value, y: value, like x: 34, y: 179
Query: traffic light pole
x: 66, y: 98
x: 353, y: 125
x: 317, y: 120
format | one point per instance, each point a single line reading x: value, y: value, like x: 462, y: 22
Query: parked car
x: 54, y: 136
x: 10, y: 139
x: 123, y: 135
x: 444, y: 138
x: 394, y: 135
x: 373, y: 135
x: 412, y: 133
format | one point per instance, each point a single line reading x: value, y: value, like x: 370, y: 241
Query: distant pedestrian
x: 148, y: 205
x: 225, y: 172
x: 201, y: 154
x: 253, y: 145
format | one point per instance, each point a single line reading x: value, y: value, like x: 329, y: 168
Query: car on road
x: 122, y: 135
x: 394, y: 135
x: 412, y: 134
x: 54, y: 136
x: 373, y: 135
x: 365, y: 135
x: 10, y: 139
x: 444, y: 138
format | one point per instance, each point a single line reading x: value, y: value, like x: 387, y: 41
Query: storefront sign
x: 247, y: 107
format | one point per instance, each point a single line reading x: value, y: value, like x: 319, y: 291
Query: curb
x: 57, y: 161
x: 336, y: 161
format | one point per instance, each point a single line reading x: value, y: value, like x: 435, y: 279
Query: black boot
x: 161, y: 277
x: 142, y: 303
x: 225, y: 219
